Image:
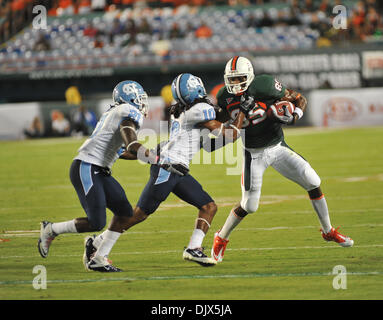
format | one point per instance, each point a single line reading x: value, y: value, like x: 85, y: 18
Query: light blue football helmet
x: 131, y: 92
x: 186, y: 88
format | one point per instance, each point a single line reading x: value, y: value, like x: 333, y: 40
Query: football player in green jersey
x: 264, y: 146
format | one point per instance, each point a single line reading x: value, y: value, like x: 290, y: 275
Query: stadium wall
x: 327, y: 108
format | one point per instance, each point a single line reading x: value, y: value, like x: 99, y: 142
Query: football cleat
x: 89, y: 250
x: 101, y: 264
x: 219, y: 246
x: 334, y: 235
x: 198, y: 256
x: 46, y: 237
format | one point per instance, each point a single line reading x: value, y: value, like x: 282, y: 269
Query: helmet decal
x: 234, y: 63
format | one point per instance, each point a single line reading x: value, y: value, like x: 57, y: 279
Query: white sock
x: 320, y: 207
x: 109, y: 239
x: 231, y: 222
x: 97, y: 241
x: 64, y: 227
x: 196, y: 239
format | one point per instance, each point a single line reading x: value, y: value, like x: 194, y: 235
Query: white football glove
x: 287, y: 118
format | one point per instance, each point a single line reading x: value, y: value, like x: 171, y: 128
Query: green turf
x: 276, y: 253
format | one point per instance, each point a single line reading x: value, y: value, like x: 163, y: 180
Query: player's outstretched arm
x: 298, y: 100
x: 229, y: 135
x: 134, y: 150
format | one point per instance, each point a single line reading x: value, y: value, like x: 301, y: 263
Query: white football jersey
x: 102, y: 148
x: 185, y: 136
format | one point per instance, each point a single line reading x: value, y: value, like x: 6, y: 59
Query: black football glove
x: 175, y: 168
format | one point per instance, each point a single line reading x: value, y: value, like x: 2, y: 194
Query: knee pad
x: 250, y: 204
x: 312, y: 180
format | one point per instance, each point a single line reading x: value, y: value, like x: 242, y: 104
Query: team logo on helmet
x: 193, y: 83
x: 129, y: 88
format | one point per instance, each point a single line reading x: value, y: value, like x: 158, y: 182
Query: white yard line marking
x: 195, y: 277
x: 221, y: 202
x: 333, y: 246
x: 33, y: 233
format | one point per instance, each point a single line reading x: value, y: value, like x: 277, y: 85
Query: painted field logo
x: 342, y: 109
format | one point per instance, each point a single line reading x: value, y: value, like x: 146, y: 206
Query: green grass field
x: 276, y: 253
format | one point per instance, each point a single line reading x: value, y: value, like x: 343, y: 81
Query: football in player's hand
x: 280, y: 108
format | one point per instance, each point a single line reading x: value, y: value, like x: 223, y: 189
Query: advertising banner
x: 345, y: 108
x: 313, y: 70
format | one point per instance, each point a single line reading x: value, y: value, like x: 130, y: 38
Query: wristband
x: 298, y: 112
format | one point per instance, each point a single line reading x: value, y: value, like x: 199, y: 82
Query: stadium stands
x: 89, y: 34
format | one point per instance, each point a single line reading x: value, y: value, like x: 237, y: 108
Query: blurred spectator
x: 42, y: 43
x: 167, y: 97
x: 60, y: 125
x: 53, y: 9
x: 35, y: 130
x: 131, y: 28
x: 65, y: 7
x: 83, y: 121
x: 373, y: 21
x: 266, y: 21
x: 117, y: 28
x: 326, y: 7
x: 325, y: 85
x: 90, y: 30
x: 309, y: 6
x: 203, y: 31
x: 98, y: 5
x: 132, y: 46
x: 175, y: 32
x: 73, y: 96
x: 145, y: 27
x: 84, y: 6
x: 98, y: 41
x: 161, y: 47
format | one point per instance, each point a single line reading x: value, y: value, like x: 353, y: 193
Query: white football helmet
x: 238, y: 67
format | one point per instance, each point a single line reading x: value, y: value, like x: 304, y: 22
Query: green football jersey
x: 260, y: 131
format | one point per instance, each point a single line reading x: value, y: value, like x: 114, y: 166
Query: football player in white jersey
x: 90, y: 172
x: 192, y: 113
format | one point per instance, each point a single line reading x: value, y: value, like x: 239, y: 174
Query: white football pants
x: 281, y: 158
